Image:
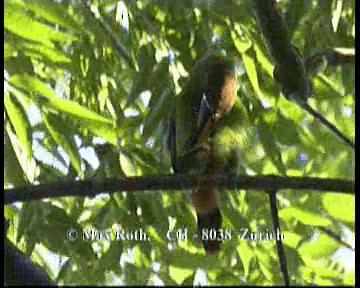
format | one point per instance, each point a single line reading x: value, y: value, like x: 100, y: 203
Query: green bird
x: 209, y: 95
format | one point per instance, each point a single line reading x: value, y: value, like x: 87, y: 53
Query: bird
x: 209, y: 95
x: 217, y: 99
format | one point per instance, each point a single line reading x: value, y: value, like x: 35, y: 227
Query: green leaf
x: 167, y: 279
x: 159, y: 111
x: 141, y: 259
x: 294, y: 12
x: 46, y: 54
x: 156, y: 237
x: 111, y: 257
x: 271, y: 148
x: 189, y: 281
x: 8, y: 50
x: 29, y: 215
x: 127, y: 165
x: 348, y: 79
x: 20, y: 121
x: 265, y: 262
x: 263, y: 60
x: 146, y: 60
x: 18, y: 22
x: 286, y: 131
x: 52, y: 12
x: 186, y: 260
x: 159, y: 77
x: 292, y: 239
x: 242, y: 44
x: 13, y: 174
x: 60, y: 130
x: 48, y: 98
x: 28, y: 165
x: 303, y: 216
x: 349, y: 279
x: 324, y: 247
x: 48, y: 173
x: 341, y: 207
x: 180, y: 274
x: 134, y: 276
x: 103, y: 130
x: 246, y: 253
x: 325, y: 88
x: 250, y: 68
x: 19, y: 64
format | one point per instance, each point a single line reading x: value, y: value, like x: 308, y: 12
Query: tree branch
x: 172, y: 182
x: 291, y: 71
x: 279, y: 244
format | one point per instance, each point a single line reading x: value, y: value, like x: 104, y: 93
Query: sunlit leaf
x: 13, y: 174
x: 303, y: 216
x: 20, y: 121
x: 18, y: 22
x: 52, y: 12
x: 341, y: 207
x: 323, y: 247
x: 48, y: 98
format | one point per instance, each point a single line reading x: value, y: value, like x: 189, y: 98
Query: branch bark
x: 279, y: 244
x: 173, y: 182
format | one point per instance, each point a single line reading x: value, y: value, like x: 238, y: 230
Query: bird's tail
x: 206, y: 201
x: 209, y: 218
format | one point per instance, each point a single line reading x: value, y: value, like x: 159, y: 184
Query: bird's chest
x: 223, y: 95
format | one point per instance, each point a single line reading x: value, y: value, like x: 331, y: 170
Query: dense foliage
x: 87, y: 95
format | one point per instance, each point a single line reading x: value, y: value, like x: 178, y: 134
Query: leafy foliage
x: 88, y: 92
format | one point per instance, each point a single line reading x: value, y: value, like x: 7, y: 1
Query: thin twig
x: 327, y: 124
x: 336, y: 237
